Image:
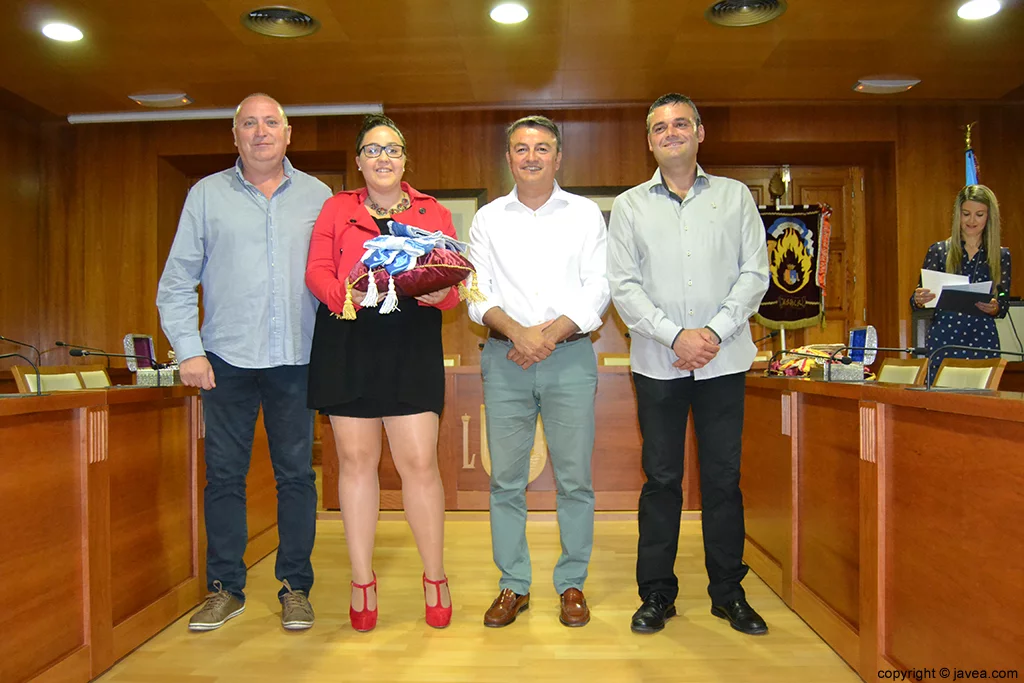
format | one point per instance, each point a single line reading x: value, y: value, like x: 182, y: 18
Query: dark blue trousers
x: 230, y: 411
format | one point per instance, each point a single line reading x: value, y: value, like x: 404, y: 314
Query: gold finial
x: 967, y: 134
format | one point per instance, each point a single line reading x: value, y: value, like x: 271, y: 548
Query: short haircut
x: 238, y: 109
x: 672, y: 98
x: 376, y: 121
x: 535, y: 121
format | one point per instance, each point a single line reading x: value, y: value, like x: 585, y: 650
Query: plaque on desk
x: 962, y: 301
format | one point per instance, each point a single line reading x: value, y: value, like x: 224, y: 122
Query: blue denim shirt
x: 249, y: 254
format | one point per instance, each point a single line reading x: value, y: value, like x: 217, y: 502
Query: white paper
x: 934, y: 281
x: 977, y: 287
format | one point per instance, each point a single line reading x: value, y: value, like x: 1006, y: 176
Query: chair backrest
x: 52, y: 378
x: 93, y: 376
x: 613, y: 359
x: 964, y: 373
x: 903, y: 370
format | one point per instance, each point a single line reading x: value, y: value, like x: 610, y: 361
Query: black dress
x: 378, y: 365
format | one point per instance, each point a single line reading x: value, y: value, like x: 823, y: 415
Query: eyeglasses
x: 373, y: 150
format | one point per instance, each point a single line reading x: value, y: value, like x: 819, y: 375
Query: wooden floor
x: 695, y: 647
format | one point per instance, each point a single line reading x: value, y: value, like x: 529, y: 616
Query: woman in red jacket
x: 381, y: 368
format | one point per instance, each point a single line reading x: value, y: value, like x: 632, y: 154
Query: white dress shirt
x: 539, y: 265
x: 686, y: 263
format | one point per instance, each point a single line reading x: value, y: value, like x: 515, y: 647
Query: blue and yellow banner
x: 798, y: 264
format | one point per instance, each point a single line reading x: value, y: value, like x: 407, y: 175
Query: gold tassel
x: 348, y: 311
x: 463, y: 292
x: 475, y: 295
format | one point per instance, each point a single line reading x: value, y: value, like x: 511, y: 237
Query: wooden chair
x: 610, y: 359
x: 903, y: 371
x: 452, y: 360
x: 93, y: 376
x: 52, y: 378
x: 964, y: 373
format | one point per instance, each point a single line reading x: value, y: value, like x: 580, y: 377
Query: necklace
x: 401, y: 206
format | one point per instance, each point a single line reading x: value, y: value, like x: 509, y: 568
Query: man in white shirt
x: 540, y: 256
x: 688, y: 266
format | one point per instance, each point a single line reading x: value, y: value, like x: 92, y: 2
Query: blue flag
x: 971, y: 167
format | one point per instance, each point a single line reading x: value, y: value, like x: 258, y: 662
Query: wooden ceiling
x: 448, y: 52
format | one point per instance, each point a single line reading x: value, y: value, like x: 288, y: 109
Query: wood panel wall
x: 20, y: 204
x: 101, y: 201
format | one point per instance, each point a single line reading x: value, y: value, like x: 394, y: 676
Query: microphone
x: 78, y: 353
x: 21, y: 343
x: 81, y: 346
x: 913, y: 350
x: 770, y: 335
x: 963, y: 347
x: 845, y: 360
x: 39, y: 383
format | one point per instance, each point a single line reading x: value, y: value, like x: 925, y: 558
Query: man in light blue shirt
x: 688, y: 266
x: 244, y: 236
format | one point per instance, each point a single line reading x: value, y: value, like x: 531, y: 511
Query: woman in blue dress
x: 973, y: 250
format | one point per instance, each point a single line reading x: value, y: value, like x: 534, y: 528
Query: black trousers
x: 663, y: 407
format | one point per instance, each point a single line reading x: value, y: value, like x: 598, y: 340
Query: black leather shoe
x: 742, y: 617
x: 651, y: 616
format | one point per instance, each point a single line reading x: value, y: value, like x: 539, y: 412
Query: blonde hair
x: 989, y: 237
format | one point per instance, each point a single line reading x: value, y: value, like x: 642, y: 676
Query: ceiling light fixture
x: 280, y: 22
x: 879, y: 85
x: 65, y: 33
x: 193, y: 114
x: 743, y: 13
x: 978, y: 9
x: 509, y: 13
x: 162, y: 100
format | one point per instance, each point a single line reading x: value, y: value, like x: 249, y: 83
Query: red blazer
x: 344, y: 225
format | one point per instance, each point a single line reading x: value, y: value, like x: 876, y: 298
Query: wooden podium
x: 102, y: 525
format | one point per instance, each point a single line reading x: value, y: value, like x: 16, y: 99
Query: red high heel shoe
x: 438, y: 616
x: 365, y: 619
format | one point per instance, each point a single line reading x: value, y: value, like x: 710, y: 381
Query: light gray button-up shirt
x: 685, y: 264
x: 249, y: 253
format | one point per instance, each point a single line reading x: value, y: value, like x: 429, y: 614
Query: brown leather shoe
x: 505, y: 607
x: 574, y: 608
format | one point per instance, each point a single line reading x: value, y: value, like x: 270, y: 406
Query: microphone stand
x: 914, y: 351
x: 64, y: 344
x: 78, y: 352
x: 21, y: 343
x: 39, y: 382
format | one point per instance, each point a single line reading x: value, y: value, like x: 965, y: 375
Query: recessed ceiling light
x: 742, y: 13
x: 978, y: 9
x: 885, y: 86
x: 280, y: 22
x: 509, y: 13
x: 66, y: 33
x: 162, y: 100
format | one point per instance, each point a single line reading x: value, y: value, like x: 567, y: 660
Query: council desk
x: 101, y: 530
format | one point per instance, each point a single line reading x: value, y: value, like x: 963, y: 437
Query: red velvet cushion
x: 434, y: 271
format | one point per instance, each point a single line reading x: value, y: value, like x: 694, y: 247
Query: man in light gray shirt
x: 688, y: 266
x: 244, y: 236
